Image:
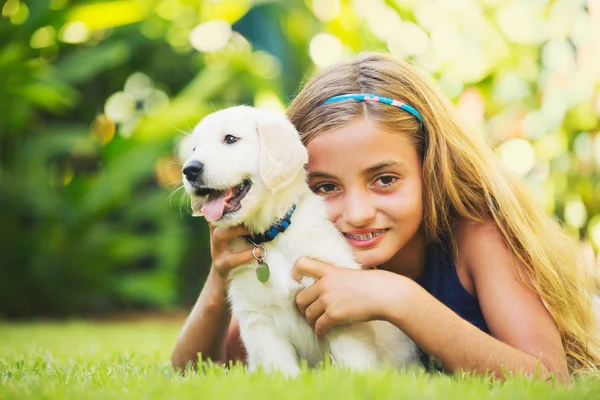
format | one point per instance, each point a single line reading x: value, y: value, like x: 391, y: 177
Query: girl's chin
x: 367, y: 259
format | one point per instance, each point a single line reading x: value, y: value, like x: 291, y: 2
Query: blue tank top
x: 440, y: 279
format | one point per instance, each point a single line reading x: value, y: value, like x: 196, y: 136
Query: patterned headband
x: 375, y: 98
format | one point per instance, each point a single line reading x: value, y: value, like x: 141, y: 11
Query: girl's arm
x: 205, y: 330
x: 458, y: 345
x: 524, y: 336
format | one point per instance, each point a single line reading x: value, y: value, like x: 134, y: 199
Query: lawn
x: 130, y: 360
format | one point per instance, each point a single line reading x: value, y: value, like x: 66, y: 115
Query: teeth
x: 366, y: 236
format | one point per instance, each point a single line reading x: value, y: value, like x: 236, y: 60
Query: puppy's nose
x: 193, y: 170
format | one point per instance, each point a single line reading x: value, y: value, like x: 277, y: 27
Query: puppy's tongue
x: 215, y: 204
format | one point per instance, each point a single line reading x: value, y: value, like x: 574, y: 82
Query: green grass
x: 130, y: 360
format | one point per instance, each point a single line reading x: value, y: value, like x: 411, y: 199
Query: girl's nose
x: 359, y: 210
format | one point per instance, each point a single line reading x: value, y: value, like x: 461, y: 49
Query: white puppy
x: 247, y: 167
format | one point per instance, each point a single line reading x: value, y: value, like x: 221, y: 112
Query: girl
x: 456, y: 254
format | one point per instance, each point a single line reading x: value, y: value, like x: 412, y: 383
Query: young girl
x: 456, y: 254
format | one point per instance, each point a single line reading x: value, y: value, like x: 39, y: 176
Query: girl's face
x: 371, y: 180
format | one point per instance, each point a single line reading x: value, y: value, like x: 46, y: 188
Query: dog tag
x: 262, y: 272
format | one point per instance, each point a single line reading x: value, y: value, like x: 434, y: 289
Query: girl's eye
x: 230, y: 139
x: 325, y: 188
x: 386, y: 180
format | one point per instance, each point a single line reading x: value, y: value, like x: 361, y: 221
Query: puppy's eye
x: 230, y: 139
x: 194, y: 149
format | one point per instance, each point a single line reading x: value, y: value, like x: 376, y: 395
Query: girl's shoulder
x: 477, y: 243
x: 477, y: 247
x: 481, y: 254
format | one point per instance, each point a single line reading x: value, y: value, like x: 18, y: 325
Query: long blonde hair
x: 462, y: 179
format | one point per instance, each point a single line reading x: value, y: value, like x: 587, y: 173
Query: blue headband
x: 375, y: 98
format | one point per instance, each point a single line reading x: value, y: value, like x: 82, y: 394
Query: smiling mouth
x: 366, y: 236
x: 221, y: 202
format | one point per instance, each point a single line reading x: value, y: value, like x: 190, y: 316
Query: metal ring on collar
x: 261, y: 257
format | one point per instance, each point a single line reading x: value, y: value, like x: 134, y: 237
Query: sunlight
x: 325, y: 49
x: 211, y: 36
x: 517, y: 155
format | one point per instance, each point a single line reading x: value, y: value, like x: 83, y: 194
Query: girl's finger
x: 234, y: 260
x: 309, y: 267
x: 314, y: 312
x: 306, y: 297
x: 224, y: 234
x: 323, y: 324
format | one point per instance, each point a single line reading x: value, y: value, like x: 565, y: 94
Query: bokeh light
x: 326, y: 10
x: 138, y: 86
x: 15, y: 10
x: 74, y: 32
x: 265, y: 65
x: 103, y: 129
x: 43, y: 37
x: 575, y: 213
x: 211, y: 35
x: 268, y: 100
x: 167, y: 171
x: 325, y: 49
x: 120, y: 107
x: 522, y: 22
x: 155, y: 102
x: 517, y: 155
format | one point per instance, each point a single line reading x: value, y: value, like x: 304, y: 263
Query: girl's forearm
x: 454, y: 342
x: 205, y: 330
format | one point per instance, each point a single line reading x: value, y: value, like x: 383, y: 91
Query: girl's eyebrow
x: 383, y: 165
x: 315, y: 175
x: 369, y: 170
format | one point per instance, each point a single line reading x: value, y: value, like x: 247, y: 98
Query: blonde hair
x: 462, y: 179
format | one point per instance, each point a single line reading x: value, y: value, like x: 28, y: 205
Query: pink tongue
x: 215, y: 205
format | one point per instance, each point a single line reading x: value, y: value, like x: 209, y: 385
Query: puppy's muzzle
x: 193, y: 170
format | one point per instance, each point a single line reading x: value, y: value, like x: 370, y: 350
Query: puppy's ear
x: 197, y: 205
x: 282, y: 153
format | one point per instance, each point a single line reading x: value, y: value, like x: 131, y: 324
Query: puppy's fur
x: 269, y: 153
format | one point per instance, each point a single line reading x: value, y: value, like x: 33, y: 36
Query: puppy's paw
x: 287, y: 370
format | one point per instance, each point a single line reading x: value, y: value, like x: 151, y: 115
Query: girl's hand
x: 223, y: 259
x: 342, y: 295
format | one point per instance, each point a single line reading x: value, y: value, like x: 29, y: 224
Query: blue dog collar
x: 278, y: 227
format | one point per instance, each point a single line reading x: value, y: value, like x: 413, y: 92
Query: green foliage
x: 95, y: 97
x: 86, y: 226
x: 128, y: 361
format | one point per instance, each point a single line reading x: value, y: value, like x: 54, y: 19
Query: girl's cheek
x: 334, y: 210
x: 404, y: 205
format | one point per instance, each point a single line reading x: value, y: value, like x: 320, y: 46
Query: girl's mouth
x: 365, y: 240
x: 366, y: 236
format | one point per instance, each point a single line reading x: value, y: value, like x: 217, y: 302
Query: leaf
x: 53, y: 96
x: 120, y: 178
x: 86, y: 63
x: 109, y: 14
x: 229, y: 10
